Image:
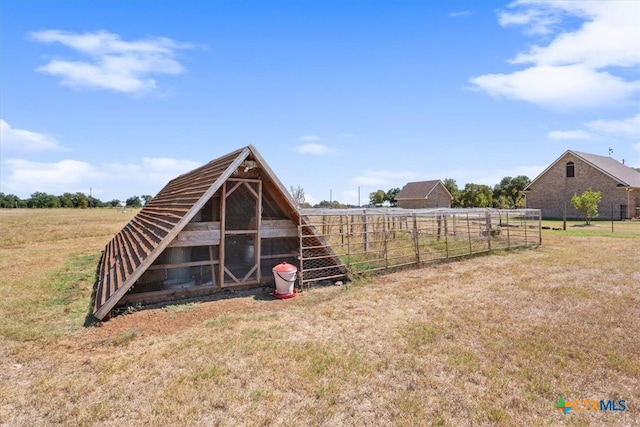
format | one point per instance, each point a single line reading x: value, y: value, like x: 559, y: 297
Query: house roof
x: 419, y: 190
x: 626, y: 176
x: 128, y: 255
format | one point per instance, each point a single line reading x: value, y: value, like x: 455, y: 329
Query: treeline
x: 506, y: 194
x: 68, y: 200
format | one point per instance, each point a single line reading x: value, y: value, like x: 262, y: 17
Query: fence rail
x: 376, y: 240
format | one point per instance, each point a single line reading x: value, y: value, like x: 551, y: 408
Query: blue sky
x: 338, y: 96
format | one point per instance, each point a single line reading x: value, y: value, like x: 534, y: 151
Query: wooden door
x: 240, y: 239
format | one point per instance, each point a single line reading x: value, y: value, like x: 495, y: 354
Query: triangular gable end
x: 546, y: 170
x: 582, y: 157
x: 139, y: 244
x: 440, y: 184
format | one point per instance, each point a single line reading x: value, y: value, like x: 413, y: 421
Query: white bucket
x: 285, y: 275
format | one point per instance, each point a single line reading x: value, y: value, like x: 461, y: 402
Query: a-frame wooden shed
x: 223, y: 225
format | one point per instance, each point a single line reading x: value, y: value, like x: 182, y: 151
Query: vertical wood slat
x: 136, y: 257
x: 144, y: 238
x: 125, y: 257
x: 103, y: 292
x: 223, y: 227
x: 257, y: 247
x: 150, y: 231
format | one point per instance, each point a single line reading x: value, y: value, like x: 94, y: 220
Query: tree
x: 11, y: 201
x: 95, y: 203
x: 508, y: 193
x: 587, y: 204
x: 298, y: 196
x: 333, y: 205
x: 476, y: 196
x: 134, y: 202
x: 377, y: 197
x: 452, y: 187
x: 391, y: 197
x: 146, y: 198
x: 80, y: 200
x: 66, y: 200
x: 43, y: 200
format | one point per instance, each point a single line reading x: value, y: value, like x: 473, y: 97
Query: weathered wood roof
x: 127, y: 256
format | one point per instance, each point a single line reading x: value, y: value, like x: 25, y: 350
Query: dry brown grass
x: 493, y: 340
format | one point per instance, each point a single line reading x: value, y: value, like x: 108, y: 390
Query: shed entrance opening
x: 240, y: 257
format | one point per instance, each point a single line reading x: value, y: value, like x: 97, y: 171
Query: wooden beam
x: 113, y: 299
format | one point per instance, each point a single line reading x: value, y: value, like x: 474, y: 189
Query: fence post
x: 539, y: 227
x: 487, y: 220
x: 416, y: 241
x: 446, y: 237
x: 469, y: 234
x: 612, y: 218
x: 508, y: 234
x: 365, y: 232
x: 349, y: 242
x: 301, y: 254
x: 385, y: 233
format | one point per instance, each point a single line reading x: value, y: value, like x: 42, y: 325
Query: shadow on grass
x: 90, y: 319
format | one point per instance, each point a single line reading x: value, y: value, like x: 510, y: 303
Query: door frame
x: 253, y: 275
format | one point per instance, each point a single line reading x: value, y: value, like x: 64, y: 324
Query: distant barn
x: 223, y: 225
x: 424, y: 194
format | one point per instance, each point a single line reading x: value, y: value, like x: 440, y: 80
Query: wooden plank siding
x: 139, y: 242
x: 166, y: 222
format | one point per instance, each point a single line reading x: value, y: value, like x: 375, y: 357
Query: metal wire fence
x: 377, y: 240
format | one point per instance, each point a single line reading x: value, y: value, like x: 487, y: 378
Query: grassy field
x: 492, y: 340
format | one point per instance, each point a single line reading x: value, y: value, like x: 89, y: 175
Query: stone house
x: 573, y: 173
x: 424, y: 194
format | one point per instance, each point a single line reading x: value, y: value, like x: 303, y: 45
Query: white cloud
x: 460, y: 14
x: 560, y: 87
x: 26, y: 177
x: 21, y: 140
x: 608, y: 37
x: 110, y: 62
x: 310, y: 138
x: 383, y: 177
x: 150, y: 173
x: 636, y: 147
x: 313, y: 148
x: 628, y: 127
x: 538, y: 21
x: 576, y: 69
x: 114, y: 180
x: 569, y: 134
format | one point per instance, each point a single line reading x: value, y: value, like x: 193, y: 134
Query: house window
x: 571, y: 170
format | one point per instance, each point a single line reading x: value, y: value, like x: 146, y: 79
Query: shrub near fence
x: 374, y: 240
